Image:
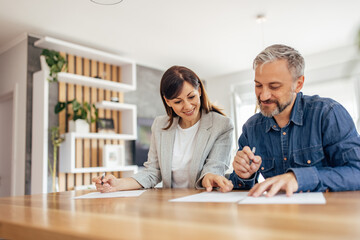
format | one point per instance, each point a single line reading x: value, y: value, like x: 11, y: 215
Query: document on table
x: 296, y: 198
x: 118, y: 194
x: 242, y: 198
x: 212, y: 197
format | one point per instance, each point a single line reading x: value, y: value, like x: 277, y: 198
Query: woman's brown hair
x: 171, y: 85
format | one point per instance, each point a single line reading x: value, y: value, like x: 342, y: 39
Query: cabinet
x: 68, y: 166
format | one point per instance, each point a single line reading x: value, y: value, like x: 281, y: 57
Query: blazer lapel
x: 167, y: 145
x: 200, y: 144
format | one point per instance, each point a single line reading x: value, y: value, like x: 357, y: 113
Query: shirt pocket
x: 309, y: 157
x: 267, y: 166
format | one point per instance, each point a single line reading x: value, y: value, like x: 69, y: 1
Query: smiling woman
x: 190, y: 146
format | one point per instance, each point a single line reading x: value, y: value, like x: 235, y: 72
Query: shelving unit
x: 128, y: 72
x: 67, y: 153
x: 68, y: 149
x: 128, y: 116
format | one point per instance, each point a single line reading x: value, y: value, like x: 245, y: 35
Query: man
x: 303, y: 143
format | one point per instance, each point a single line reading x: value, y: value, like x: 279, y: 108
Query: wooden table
x: 152, y: 216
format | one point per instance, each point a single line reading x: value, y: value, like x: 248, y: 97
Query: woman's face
x: 186, y: 105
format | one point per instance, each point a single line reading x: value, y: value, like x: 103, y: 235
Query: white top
x: 182, y: 155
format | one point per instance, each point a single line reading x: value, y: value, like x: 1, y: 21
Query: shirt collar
x: 296, y: 115
x: 298, y: 110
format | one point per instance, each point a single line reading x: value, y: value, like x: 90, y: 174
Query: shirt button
x: 284, y: 133
x: 308, y: 161
x: 262, y: 168
x: 274, y: 126
x: 285, y: 159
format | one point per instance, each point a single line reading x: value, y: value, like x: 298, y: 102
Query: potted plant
x: 81, y: 115
x: 56, y: 63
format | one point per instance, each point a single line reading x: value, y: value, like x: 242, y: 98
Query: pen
x: 260, y: 178
x: 253, y: 151
x: 102, y: 177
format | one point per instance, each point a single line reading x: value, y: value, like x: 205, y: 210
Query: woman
x: 190, y: 146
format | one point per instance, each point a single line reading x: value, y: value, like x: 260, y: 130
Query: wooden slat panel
x: 121, y: 95
x: 115, y: 114
x: 79, y: 160
x: 70, y: 96
x: 87, y: 178
x: 86, y: 97
x: 101, y: 97
x: 62, y: 125
x: 70, y: 182
x: 94, y: 99
x: 108, y: 112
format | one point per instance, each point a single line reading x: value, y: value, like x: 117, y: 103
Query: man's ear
x: 299, y: 84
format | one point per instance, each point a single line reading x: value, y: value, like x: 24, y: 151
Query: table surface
x: 152, y: 216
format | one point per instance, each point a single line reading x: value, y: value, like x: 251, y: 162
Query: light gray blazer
x: 212, y: 150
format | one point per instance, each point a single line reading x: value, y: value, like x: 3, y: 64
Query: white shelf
x: 78, y: 50
x: 115, y: 105
x: 128, y: 116
x: 128, y: 67
x: 105, y: 136
x: 94, y: 82
x: 129, y: 168
x: 67, y: 152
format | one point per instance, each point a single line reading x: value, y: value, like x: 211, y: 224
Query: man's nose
x: 265, y: 94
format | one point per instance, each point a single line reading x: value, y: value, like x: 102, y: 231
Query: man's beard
x: 279, y: 107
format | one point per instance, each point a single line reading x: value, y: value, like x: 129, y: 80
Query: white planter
x: 79, y: 126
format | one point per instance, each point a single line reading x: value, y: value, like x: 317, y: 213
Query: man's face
x: 275, y: 88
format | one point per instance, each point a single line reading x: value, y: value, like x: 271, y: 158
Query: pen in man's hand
x: 253, y: 151
x: 102, y: 177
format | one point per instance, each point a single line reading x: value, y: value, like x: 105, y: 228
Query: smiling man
x: 303, y: 143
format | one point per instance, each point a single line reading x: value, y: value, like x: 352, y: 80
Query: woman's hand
x: 108, y: 184
x: 211, y: 180
x: 112, y: 184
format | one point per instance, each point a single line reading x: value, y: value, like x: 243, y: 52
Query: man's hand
x: 285, y: 182
x: 211, y: 180
x: 241, y: 163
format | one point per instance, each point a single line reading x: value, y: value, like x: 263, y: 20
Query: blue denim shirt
x: 320, y: 145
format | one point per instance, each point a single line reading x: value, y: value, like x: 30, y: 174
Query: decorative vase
x: 79, y: 126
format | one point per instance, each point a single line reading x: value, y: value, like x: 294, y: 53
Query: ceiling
x: 212, y: 37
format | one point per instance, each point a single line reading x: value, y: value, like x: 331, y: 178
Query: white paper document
x: 242, y: 198
x: 296, y: 198
x: 118, y: 194
x: 212, y: 197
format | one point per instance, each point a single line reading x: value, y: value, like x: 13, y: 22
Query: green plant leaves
x: 80, y: 111
x: 55, y: 62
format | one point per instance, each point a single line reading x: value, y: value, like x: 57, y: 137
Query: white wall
x: 13, y: 73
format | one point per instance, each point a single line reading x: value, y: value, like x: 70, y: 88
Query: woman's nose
x: 187, y: 105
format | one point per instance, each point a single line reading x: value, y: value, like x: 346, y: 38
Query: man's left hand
x: 285, y: 182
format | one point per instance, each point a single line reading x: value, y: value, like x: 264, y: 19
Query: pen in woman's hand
x: 102, y: 177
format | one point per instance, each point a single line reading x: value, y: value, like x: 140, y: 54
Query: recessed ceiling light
x: 106, y: 2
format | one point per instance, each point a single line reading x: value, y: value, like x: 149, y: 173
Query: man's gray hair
x: 295, y: 61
